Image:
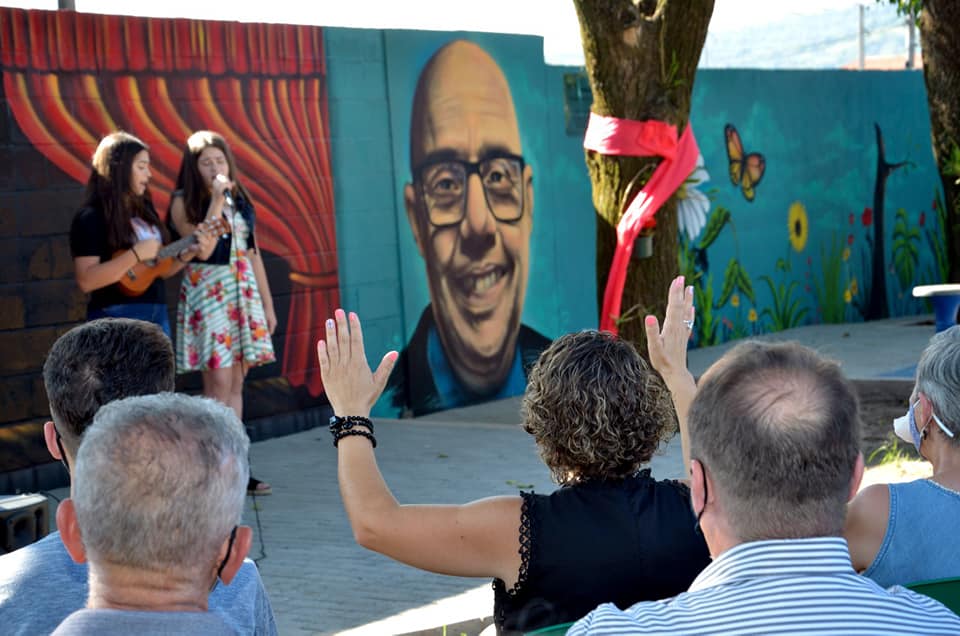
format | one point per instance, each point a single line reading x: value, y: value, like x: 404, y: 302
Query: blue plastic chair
x: 552, y: 630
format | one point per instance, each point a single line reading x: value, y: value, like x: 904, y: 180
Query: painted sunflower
x: 799, y: 226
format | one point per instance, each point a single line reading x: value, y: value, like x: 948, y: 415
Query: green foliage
x: 717, y: 221
x: 735, y: 277
x: 786, y: 312
x: 906, y: 7
x: 890, y: 452
x: 706, y: 324
x: 937, y: 241
x: 830, y: 291
x: 906, y: 254
x: 518, y: 485
x: 951, y: 166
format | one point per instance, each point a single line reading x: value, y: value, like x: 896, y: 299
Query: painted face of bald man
x: 471, y: 210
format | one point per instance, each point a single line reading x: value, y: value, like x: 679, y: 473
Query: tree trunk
x: 641, y: 59
x: 940, y: 40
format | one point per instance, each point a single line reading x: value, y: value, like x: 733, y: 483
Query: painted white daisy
x: 694, y: 205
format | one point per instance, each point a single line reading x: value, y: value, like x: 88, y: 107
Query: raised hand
x: 668, y: 354
x: 668, y: 347
x: 351, y: 386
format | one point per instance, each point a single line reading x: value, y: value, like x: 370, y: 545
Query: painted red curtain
x: 70, y: 78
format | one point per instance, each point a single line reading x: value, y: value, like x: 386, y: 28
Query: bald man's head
x: 470, y: 206
x: 460, y: 79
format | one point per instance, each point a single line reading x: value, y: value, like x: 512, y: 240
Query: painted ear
x: 528, y: 184
x: 410, y: 203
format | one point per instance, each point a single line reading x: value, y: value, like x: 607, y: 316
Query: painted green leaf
x: 716, y: 222
x: 730, y: 278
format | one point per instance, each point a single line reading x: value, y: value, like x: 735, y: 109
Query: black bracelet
x: 137, y: 256
x: 353, y: 431
x: 347, y: 422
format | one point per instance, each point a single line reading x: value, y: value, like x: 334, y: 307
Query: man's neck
x: 124, y: 588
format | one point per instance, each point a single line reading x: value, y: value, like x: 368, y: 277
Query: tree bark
x: 940, y: 40
x: 641, y: 58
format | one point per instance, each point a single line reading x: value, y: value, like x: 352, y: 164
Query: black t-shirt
x: 88, y: 237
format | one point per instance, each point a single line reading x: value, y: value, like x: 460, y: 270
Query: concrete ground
x: 321, y: 582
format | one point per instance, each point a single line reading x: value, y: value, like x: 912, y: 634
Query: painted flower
x: 922, y: 219
x: 726, y: 323
x: 846, y: 254
x: 693, y: 205
x: 799, y: 225
x: 851, y: 218
x: 847, y: 296
x: 867, y: 217
x: 853, y: 287
x: 735, y: 300
x: 850, y: 239
x: 752, y: 315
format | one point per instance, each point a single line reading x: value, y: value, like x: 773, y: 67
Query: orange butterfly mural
x: 746, y: 171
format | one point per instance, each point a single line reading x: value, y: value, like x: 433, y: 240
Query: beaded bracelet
x: 354, y: 431
x: 347, y: 422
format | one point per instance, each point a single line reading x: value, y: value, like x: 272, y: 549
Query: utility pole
x: 911, y: 38
x: 67, y: 4
x: 861, y: 36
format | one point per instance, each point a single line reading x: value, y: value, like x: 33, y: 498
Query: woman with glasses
x: 610, y: 533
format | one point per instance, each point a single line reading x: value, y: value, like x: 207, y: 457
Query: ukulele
x: 139, y: 277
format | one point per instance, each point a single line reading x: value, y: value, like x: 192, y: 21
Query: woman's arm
x: 481, y: 538
x: 866, y: 524
x: 668, y: 355
x: 178, y: 214
x: 260, y: 273
x: 92, y: 274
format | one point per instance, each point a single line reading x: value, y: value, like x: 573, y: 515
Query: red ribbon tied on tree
x: 630, y: 138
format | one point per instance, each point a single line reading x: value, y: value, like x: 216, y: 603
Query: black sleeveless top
x: 619, y: 541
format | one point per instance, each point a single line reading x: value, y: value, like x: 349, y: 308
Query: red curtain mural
x: 70, y: 78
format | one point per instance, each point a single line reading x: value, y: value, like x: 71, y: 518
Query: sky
x: 555, y: 20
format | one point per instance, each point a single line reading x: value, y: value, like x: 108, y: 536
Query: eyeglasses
x: 443, y: 185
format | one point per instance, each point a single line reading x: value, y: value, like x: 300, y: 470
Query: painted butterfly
x: 746, y: 171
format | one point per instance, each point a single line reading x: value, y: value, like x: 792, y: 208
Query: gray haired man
x: 89, y: 366
x: 156, y: 499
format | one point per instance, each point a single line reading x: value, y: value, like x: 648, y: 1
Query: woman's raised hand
x: 350, y: 385
x: 668, y: 347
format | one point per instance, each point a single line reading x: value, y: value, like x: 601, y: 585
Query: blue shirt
x: 40, y: 585
x: 797, y: 586
x: 449, y: 390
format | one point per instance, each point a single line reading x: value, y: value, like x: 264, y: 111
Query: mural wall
x: 70, y: 78
x: 817, y: 200
x: 822, y: 204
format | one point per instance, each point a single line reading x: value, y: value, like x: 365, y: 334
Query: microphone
x: 227, y: 195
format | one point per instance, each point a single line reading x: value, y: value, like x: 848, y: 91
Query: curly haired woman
x: 611, y: 532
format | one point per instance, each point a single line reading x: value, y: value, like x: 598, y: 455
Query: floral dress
x: 220, y: 314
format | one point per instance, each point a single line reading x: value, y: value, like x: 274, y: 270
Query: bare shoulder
x: 866, y: 524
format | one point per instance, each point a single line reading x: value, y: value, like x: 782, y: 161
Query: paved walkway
x: 321, y: 582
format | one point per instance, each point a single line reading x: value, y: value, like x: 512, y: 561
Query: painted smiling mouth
x: 478, y: 284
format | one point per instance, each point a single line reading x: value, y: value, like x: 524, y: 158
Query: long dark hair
x: 108, y: 188
x: 196, y: 194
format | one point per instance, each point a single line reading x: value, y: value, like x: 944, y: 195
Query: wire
x: 263, y: 548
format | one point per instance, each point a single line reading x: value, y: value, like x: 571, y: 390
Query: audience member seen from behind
x: 774, y: 436
x: 612, y: 532
x: 906, y: 533
x: 90, y: 365
x: 154, y: 507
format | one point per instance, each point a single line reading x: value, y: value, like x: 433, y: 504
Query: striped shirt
x: 797, y: 586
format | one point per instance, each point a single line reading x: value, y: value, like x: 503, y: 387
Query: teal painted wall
x: 815, y: 130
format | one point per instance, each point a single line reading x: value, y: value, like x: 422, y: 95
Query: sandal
x: 258, y: 488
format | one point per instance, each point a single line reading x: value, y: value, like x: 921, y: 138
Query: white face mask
x: 905, y: 427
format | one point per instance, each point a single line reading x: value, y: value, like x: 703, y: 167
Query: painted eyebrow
x: 486, y: 151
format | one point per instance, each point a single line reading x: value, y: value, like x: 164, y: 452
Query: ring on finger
x: 689, y: 324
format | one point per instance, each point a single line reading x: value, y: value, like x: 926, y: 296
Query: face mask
x: 905, y: 427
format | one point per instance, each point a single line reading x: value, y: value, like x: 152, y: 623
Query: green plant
x: 935, y: 234
x: 906, y: 254
x: 706, y: 324
x: 786, y: 312
x: 833, y: 308
x: 890, y: 452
